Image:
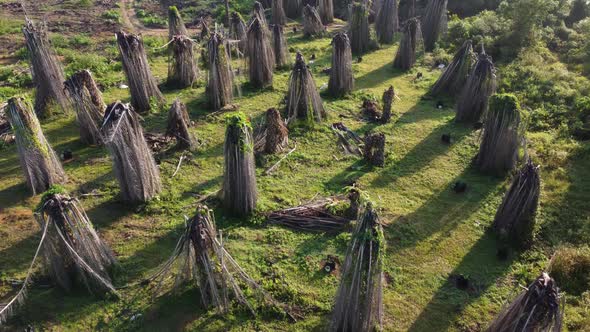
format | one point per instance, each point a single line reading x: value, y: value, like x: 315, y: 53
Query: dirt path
x: 130, y: 21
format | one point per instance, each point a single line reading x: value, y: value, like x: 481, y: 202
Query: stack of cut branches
x: 261, y: 60
x: 406, y: 53
x: 178, y: 125
x: 312, y: 23
x: 220, y: 81
x: 313, y: 216
x: 182, y: 68
x: 359, y: 303
x: 279, y: 47
x: 200, y: 256
x: 89, y: 106
x: 479, y: 87
x: 434, y: 23
x: 37, y: 159
x: 303, y: 100
x: 358, y: 28
x: 175, y: 23
x: 348, y: 139
x: 456, y: 73
x: 341, y: 77
x: 273, y: 135
x: 387, y: 23
x: 537, y: 308
x: 45, y: 68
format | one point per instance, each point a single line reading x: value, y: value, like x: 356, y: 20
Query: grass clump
x: 570, y: 267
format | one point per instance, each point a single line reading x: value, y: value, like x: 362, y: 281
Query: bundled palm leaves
x: 89, y: 106
x: 374, y: 150
x: 182, y: 70
x: 515, y: 218
x: 537, y: 308
x: 387, y: 23
x: 178, y: 125
x: 176, y: 25
x: 133, y: 163
x: 45, y: 68
x: 326, y: 11
x: 387, y: 99
x: 200, y: 257
x: 359, y: 303
x: 480, y: 85
x: 239, y: 174
x: 502, y: 135
x: 433, y: 22
x: 358, y: 28
x: 205, y: 31
x: 279, y: 44
x: 238, y: 31
x: 406, y: 53
x: 37, y: 159
x: 341, y: 77
x: 303, y: 100
x: 273, y: 136
x: 258, y: 13
x: 278, y: 13
x: 142, y: 84
x: 312, y: 23
x: 293, y: 8
x: 453, y: 79
x: 71, y: 249
x: 261, y: 60
x: 220, y: 81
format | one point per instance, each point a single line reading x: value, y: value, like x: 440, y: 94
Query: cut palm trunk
x: 314, y: 216
x: 71, y: 249
x: 261, y: 60
x: 406, y: 53
x: 238, y: 31
x: 374, y: 150
x: 200, y: 257
x: 273, y: 136
x: 176, y: 25
x: 515, y: 219
x: 388, y: 96
x: 88, y: 104
x: 220, y: 81
x: 359, y: 299
x: 386, y: 24
x: 407, y: 10
x: 239, y: 175
x: 303, y: 100
x: 279, y: 47
x: 133, y: 163
x: 479, y: 87
x: 312, y: 23
x: 502, y: 136
x: 142, y: 84
x: 432, y: 23
x: 358, y: 28
x: 38, y: 161
x: 453, y: 79
x: 179, y: 124
x: 293, y: 8
x: 341, y: 77
x: 538, y: 308
x: 205, y: 31
x: 326, y: 11
x: 278, y: 13
x: 46, y: 70
x: 182, y: 69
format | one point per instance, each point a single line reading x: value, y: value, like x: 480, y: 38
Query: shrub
x: 570, y: 267
x: 112, y: 15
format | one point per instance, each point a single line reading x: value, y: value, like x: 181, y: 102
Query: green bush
x: 80, y: 41
x: 570, y: 267
x: 112, y: 15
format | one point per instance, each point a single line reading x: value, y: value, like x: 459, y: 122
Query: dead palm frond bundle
x: 133, y: 163
x: 312, y: 23
x: 453, y: 79
x: 278, y: 13
x: 374, y: 150
x: 200, y: 257
x: 303, y: 100
x: 293, y: 8
x: 358, y: 28
x: 46, y: 70
x: 142, y: 84
x: 315, y: 216
x: 71, y: 248
x: 261, y: 59
x: 359, y: 303
x: 326, y: 11
x: 37, y: 159
x: 406, y: 10
x: 273, y: 136
x: 515, y: 218
x: 205, y: 31
x: 239, y: 175
x: 178, y: 125
x: 538, y: 308
x: 279, y: 44
x: 238, y: 31
x: 502, y: 135
x: 88, y: 104
x: 388, y: 96
x: 341, y: 77
x: 258, y: 13
x: 386, y: 24
x: 182, y: 69
x: 220, y: 81
x: 432, y: 23
x: 479, y: 87
x: 176, y: 25
x: 406, y: 53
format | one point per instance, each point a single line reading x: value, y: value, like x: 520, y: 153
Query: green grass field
x: 432, y: 233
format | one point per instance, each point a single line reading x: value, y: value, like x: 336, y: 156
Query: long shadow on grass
x: 13, y: 195
x: 377, y: 76
x: 481, y: 267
